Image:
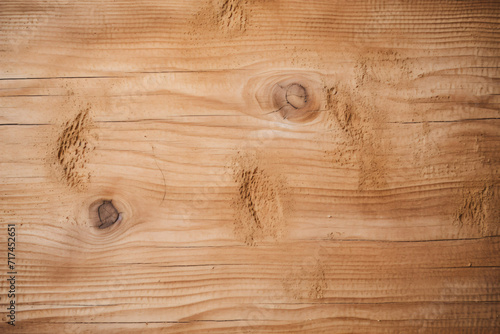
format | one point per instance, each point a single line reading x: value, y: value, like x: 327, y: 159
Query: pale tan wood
x: 373, y: 208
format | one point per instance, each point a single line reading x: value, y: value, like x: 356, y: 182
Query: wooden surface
x: 279, y: 166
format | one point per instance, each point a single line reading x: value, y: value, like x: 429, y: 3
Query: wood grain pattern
x: 278, y: 166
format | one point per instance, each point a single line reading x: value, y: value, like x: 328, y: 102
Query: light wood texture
x: 368, y: 204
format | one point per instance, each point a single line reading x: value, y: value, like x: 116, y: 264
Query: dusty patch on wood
x: 356, y: 114
x: 307, y: 281
x: 71, y: 143
x: 261, y: 201
x: 351, y: 116
x: 341, y: 109
x: 226, y: 17
x: 479, y: 210
x: 386, y: 67
x: 73, y: 147
x: 341, y: 118
x: 231, y: 14
x: 425, y: 149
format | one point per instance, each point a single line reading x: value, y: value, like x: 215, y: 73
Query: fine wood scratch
x: 162, y: 175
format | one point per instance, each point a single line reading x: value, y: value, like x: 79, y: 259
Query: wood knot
x: 108, y: 215
x: 294, y: 101
x: 296, y: 96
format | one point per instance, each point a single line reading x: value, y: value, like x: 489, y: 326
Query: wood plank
x: 277, y: 166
